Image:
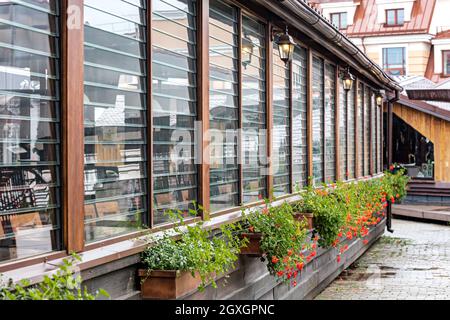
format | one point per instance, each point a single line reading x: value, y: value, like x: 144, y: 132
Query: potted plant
x: 278, y: 239
x: 173, y: 267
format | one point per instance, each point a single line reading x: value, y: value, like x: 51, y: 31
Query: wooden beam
x: 337, y: 126
x: 150, y: 181
x: 72, y: 103
x: 269, y: 106
x: 310, y: 115
x: 203, y: 106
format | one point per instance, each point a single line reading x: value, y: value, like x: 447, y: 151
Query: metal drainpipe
x: 390, y: 138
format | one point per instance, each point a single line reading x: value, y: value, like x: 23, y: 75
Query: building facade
x: 112, y: 112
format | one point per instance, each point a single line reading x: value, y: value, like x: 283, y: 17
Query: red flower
x: 391, y: 168
x: 349, y: 235
x: 260, y: 197
x: 338, y: 259
x: 294, y: 283
x: 275, y: 260
x: 366, y: 242
x: 300, y: 266
x: 290, y: 252
x: 280, y: 273
x: 313, y: 254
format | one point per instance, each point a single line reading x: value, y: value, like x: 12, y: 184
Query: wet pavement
x: 411, y: 264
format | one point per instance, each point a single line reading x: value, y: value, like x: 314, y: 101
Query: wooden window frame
x: 386, y: 64
x: 396, y: 15
x: 72, y: 106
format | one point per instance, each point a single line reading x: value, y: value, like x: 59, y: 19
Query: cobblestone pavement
x: 411, y: 264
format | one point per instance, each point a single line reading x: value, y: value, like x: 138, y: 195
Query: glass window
x: 330, y: 123
x: 351, y: 134
x: 343, y: 127
x: 30, y: 221
x: 318, y: 120
x: 339, y: 19
x: 367, y: 142
x: 299, y: 119
x: 446, y: 56
x: 281, y: 126
x: 174, y: 106
x: 254, y: 126
x: 394, y: 61
x: 379, y: 139
x: 360, y: 120
x: 115, y: 113
x: 224, y: 105
x: 395, y: 17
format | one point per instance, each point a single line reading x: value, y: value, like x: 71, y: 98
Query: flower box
x: 309, y: 217
x: 253, y: 247
x: 167, y: 285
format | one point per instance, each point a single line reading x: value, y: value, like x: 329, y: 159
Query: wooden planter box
x: 254, y: 246
x: 166, y: 285
x: 308, y: 216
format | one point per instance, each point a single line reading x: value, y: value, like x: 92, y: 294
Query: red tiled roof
x: 365, y: 21
x: 443, y: 35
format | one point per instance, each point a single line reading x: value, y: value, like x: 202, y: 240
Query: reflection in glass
x: 254, y: 112
x: 224, y: 105
x: 281, y: 126
x: 115, y: 113
x: 29, y: 129
x: 318, y: 120
x: 330, y: 123
x: 299, y: 120
x: 174, y: 101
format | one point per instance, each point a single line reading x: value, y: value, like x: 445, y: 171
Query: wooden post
x: 310, y: 116
x: 203, y: 106
x: 337, y: 126
x: 357, y: 124
x: 73, y: 123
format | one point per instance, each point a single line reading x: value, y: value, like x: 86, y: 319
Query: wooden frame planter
x: 309, y: 217
x: 165, y: 285
x: 253, y: 248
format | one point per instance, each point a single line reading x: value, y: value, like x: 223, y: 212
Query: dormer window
x: 339, y: 19
x: 395, y: 17
x: 446, y: 59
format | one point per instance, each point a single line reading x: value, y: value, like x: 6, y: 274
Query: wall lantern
x: 348, y: 80
x: 380, y: 99
x: 247, y: 51
x: 286, y: 46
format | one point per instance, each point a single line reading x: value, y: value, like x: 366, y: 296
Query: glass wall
x: 224, y: 105
x: 318, y: 120
x: 281, y: 152
x: 343, y: 130
x: 174, y: 106
x: 351, y: 134
x: 299, y: 120
x: 254, y: 138
x: 30, y: 135
x: 330, y: 123
x: 115, y: 113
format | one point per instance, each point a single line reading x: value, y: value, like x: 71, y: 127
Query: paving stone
x: 411, y: 264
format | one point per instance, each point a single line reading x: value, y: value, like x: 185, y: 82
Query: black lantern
x: 286, y: 46
x: 247, y: 51
x: 348, y: 80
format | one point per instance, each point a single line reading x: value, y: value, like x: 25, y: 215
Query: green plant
x: 203, y: 252
x: 62, y: 285
x: 284, y: 240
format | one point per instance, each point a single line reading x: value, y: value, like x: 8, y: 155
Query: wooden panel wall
x: 435, y: 129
